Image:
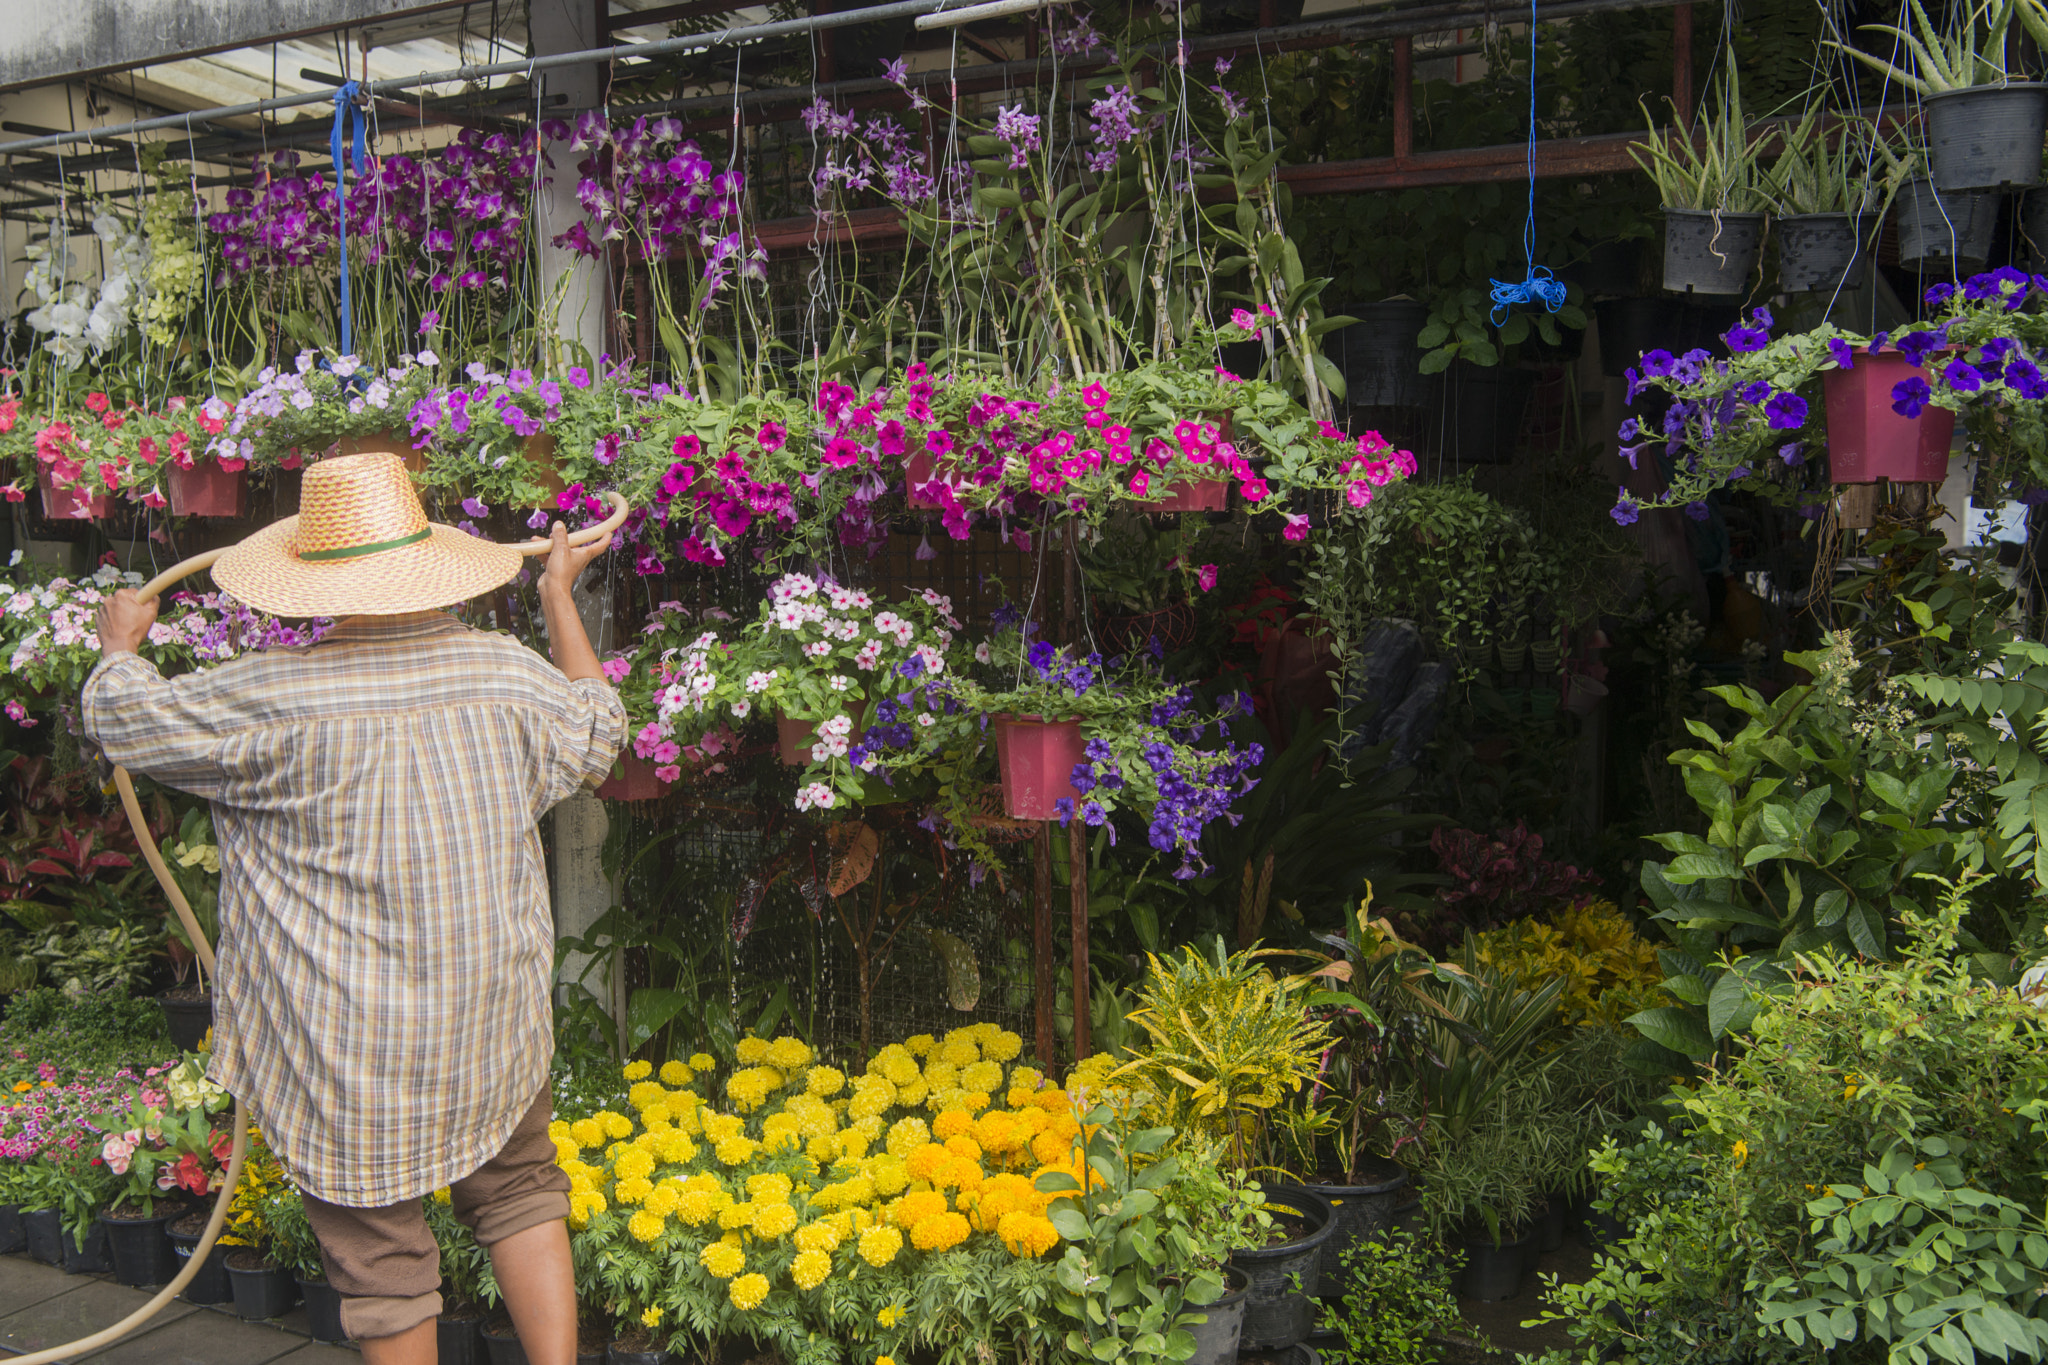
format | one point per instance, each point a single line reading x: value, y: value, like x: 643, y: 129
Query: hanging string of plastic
x: 1539, y: 285
x: 347, y: 132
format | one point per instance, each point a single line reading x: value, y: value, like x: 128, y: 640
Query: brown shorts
x: 384, y: 1261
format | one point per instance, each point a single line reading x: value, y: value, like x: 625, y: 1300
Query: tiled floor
x: 41, y: 1306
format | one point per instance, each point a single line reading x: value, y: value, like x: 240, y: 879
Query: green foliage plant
x: 291, y: 1242
x: 1396, y: 1303
x: 1969, y: 50
x: 1825, y: 164
x: 1717, y: 171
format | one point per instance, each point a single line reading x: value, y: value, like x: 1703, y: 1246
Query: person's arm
x: 568, y: 643
x: 139, y: 720
x: 124, y: 622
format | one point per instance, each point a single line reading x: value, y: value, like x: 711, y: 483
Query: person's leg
x: 385, y: 1265
x: 517, y: 1203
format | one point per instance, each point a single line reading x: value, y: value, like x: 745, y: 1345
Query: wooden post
x: 1041, y: 949
x: 1404, y: 98
x: 1077, y: 882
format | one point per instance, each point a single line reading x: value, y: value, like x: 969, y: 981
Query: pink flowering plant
x: 163, y: 1141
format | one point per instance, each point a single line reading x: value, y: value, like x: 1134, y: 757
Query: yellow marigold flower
x: 675, y: 1073
x: 676, y: 1148
x: 926, y: 1162
x: 959, y: 1174
x: 962, y: 1145
x: 645, y: 1225
x: 898, y: 1068
x: 789, y: 1053
x: 960, y: 1050
x: 696, y: 1207
x: 781, y: 1132
x: 747, y: 1291
x: 869, y: 1128
x: 941, y: 1232
x: 661, y: 1201
x: 853, y: 1144
x: 821, y: 1235
x: 997, y: 1132
x: 614, y: 1125
x: 558, y: 1129
x: 752, y: 1051
x: 825, y: 1080
x: 639, y: 1071
x: 912, y: 1094
x: 888, y: 1176
x: 770, y: 1187
x: 919, y: 1044
x: 1027, y: 1234
x: 823, y: 1149
x: 889, y: 1316
x: 869, y: 1104
x: 631, y: 1163
x: 986, y: 1077
x: 1050, y: 1148
x: 735, y: 1216
x: 587, y: 1132
x: 719, y: 1127
x: 906, y: 1136
x: 1001, y: 1045
x: 702, y: 1061
x: 1027, y: 1078
x: 735, y: 1150
x: 810, y: 1269
x: 879, y: 1245
x: 774, y: 1220
x: 952, y: 1123
x: 885, y: 1360
x: 723, y: 1259
x: 645, y: 1093
x: 1741, y: 1152
x: 1053, y: 1102
x: 444, y: 1195
x: 748, y: 1089
x: 915, y: 1207
x: 941, y: 1075
x: 565, y: 1151
x: 632, y: 1191
x: 652, y: 1317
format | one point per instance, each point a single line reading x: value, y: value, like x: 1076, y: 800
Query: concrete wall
x: 40, y: 42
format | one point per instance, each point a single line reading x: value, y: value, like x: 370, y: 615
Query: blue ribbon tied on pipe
x: 349, y: 126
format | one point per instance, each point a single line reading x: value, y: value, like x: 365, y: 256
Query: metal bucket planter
x: 1986, y: 137
x: 1868, y: 441
x: 1191, y: 495
x: 1819, y: 253
x: 1711, y: 253
x: 1942, y: 230
x: 69, y: 504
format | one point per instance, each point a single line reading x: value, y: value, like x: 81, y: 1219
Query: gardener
x: 385, y: 944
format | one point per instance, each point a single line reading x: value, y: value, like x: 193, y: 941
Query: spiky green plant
x: 1970, y: 51
x: 1715, y: 171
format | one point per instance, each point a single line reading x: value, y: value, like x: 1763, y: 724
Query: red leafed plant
x: 1502, y: 878
x: 55, y: 840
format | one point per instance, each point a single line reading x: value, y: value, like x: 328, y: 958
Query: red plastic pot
x: 206, y: 490
x: 632, y: 780
x: 1037, y: 758
x: 1867, y: 441
x: 1200, y: 495
x: 69, y: 504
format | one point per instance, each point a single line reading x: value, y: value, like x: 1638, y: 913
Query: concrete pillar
x: 576, y: 287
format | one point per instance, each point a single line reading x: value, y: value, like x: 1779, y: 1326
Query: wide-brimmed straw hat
x: 361, y: 545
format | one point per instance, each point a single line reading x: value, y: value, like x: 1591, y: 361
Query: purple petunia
x: 1910, y: 396
x: 1786, y: 412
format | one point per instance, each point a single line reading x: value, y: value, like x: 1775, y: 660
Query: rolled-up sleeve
x: 586, y: 729
x: 150, y: 724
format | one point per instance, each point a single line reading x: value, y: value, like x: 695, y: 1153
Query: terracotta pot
x: 633, y: 779
x: 1037, y: 758
x: 206, y: 490
x: 69, y: 504
x: 793, y: 740
x: 540, y: 450
x: 1868, y: 441
x: 1201, y: 495
x: 396, y: 440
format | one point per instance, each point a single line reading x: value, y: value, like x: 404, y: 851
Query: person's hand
x: 566, y: 562
x: 124, y: 621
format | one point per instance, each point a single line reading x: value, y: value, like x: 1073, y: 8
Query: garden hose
x: 204, y: 951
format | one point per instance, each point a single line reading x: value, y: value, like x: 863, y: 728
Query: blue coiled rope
x: 1539, y: 285
x: 347, y: 118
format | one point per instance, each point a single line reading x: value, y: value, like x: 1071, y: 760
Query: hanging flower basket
x: 1986, y: 137
x: 206, y: 490
x: 1037, y: 758
x: 1201, y: 495
x: 1868, y: 440
x: 1128, y: 633
x: 1711, y: 253
x: 793, y: 739
x: 633, y: 779
x: 918, y: 470
x: 68, y: 504
x: 395, y: 440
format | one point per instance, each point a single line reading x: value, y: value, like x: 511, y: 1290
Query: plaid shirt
x: 386, y: 946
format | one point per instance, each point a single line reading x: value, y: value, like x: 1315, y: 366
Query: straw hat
x: 361, y: 545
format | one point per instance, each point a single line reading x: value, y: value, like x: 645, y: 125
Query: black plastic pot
x: 592, y: 1357
x: 1819, y: 253
x: 1479, y: 420
x: 614, y: 1356
x: 1275, y: 1313
x: 1629, y: 327
x: 1986, y: 137
x: 188, y: 1019
x: 323, y: 1310
x: 2034, y: 223
x: 88, y: 1257
x: 1610, y: 270
x: 859, y: 50
x: 261, y: 1290
x: 43, y: 1231
x: 459, y: 1341
x: 1594, y: 1228
x: 142, y: 1253
x: 1361, y: 1210
x: 210, y: 1285
x: 1711, y: 253
x: 1494, y: 1272
x: 13, y: 1235
x: 1382, y: 365
x: 1550, y: 1227
x: 1949, y: 228
x: 1216, y: 1340
x: 504, y: 1350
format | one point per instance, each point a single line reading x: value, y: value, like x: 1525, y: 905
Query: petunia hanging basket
x: 633, y: 779
x: 1037, y: 758
x: 1199, y: 495
x: 392, y: 440
x: 206, y: 490
x: 68, y: 504
x: 918, y: 470
x: 1868, y: 439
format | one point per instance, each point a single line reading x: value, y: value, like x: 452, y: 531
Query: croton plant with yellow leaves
x: 839, y: 1218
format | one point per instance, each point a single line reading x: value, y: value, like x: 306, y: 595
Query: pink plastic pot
x: 207, y: 490
x: 69, y: 504
x: 1867, y: 441
x: 1202, y: 495
x: 1037, y: 758
x: 632, y: 780
x: 919, y: 470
